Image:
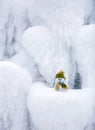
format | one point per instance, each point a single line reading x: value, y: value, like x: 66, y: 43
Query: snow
x: 14, y: 86
x: 84, y: 46
x: 69, y: 109
x: 55, y: 39
x: 40, y: 43
x: 23, y: 59
x: 57, y: 110
x: 37, y: 41
x: 61, y: 16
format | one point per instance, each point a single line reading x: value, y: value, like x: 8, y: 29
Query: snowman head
x: 59, y: 80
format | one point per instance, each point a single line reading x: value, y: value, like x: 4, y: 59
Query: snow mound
x: 14, y: 85
x: 68, y: 110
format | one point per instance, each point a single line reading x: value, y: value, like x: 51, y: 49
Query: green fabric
x: 60, y: 74
x: 63, y: 85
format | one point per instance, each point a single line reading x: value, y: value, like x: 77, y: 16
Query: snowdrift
x: 14, y: 86
x: 67, y: 110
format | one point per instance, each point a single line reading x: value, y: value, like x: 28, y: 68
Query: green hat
x: 60, y: 74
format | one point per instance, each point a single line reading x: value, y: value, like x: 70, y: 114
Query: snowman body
x: 60, y: 84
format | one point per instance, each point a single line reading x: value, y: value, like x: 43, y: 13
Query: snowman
x: 60, y: 81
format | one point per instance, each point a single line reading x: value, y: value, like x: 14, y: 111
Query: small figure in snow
x: 59, y: 81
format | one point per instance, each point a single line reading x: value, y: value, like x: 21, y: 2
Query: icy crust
x: 68, y: 110
x: 14, y: 86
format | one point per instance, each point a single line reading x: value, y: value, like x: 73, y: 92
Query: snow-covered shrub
x: 14, y: 86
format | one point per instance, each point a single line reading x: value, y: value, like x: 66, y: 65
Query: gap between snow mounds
x: 68, y: 110
x: 14, y: 86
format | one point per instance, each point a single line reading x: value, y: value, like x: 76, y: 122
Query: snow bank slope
x: 14, y: 85
x: 67, y: 110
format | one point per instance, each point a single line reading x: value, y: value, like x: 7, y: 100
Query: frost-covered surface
x: 68, y: 110
x: 14, y: 86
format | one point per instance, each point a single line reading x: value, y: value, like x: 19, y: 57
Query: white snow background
x: 42, y: 37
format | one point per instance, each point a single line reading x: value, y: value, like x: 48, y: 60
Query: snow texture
x: 55, y: 110
x: 40, y: 44
x: 39, y: 41
x: 23, y: 59
x: 70, y: 109
x: 60, y: 38
x: 84, y: 46
x: 14, y: 86
x: 62, y: 16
